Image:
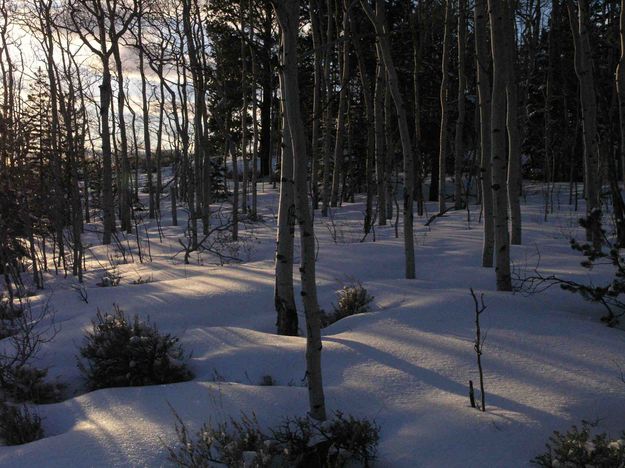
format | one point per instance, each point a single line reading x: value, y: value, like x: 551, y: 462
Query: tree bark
x: 339, y: 152
x: 484, y: 96
x: 498, y: 145
x: 287, y: 12
x: 512, y: 124
x: 380, y: 160
x: 383, y: 47
x: 146, y: 118
x: 620, y: 86
x: 583, y: 69
x: 284, y: 296
x: 442, y: 151
x: 462, y: 85
x: 327, y: 119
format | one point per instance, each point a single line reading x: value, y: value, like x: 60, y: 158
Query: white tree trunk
x: 498, y: 148
x: 287, y: 12
x: 484, y: 96
x: 462, y: 85
x: 512, y: 124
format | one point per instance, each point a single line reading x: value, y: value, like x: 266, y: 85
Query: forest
x: 316, y: 233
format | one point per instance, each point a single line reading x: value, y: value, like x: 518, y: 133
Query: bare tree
x: 585, y: 76
x: 383, y: 47
x: 95, y: 23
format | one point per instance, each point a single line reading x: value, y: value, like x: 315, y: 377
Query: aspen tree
x: 620, y: 86
x: 380, y: 163
x: 442, y: 148
x: 512, y: 126
x: 498, y: 145
x: 484, y: 103
x: 383, y: 47
x: 287, y: 12
x: 342, y: 110
x: 462, y: 84
x: 327, y: 117
x: 284, y: 296
x: 584, y: 71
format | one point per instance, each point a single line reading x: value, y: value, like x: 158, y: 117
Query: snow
x: 548, y: 360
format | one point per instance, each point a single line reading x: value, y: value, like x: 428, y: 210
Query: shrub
x: 267, y: 381
x: 26, y: 383
x: 579, y: 448
x: 19, y: 425
x: 299, y: 442
x: 351, y: 437
x: 109, y: 279
x: 352, y: 299
x: 19, y: 380
x: 122, y: 353
x: 9, y: 314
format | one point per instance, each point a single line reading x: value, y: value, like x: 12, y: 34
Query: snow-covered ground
x: 548, y: 360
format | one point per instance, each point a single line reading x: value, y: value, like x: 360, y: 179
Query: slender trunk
x: 484, y: 96
x: 108, y: 211
x: 124, y: 194
x: 198, y: 119
x: 512, y: 124
x: 317, y: 55
x: 620, y: 86
x: 288, y: 16
x: 284, y: 296
x: 418, y: 44
x: 339, y: 153
x: 389, y: 159
x: 146, y: 121
x: 327, y: 119
x: 584, y: 71
x: 244, y: 105
x: 370, y: 156
x: 235, y: 178
x: 442, y: 149
x: 462, y: 84
x: 380, y: 163
x: 498, y: 145
x: 265, y: 153
x: 254, y: 210
x: 55, y: 140
x: 383, y: 47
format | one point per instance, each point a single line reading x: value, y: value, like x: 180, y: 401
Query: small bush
x: 267, y: 381
x: 9, y: 314
x: 121, y: 353
x: 142, y: 280
x: 351, y: 437
x: 299, y: 442
x: 19, y: 425
x: 19, y: 380
x: 352, y: 299
x: 109, y: 279
x: 579, y: 448
x: 26, y: 383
